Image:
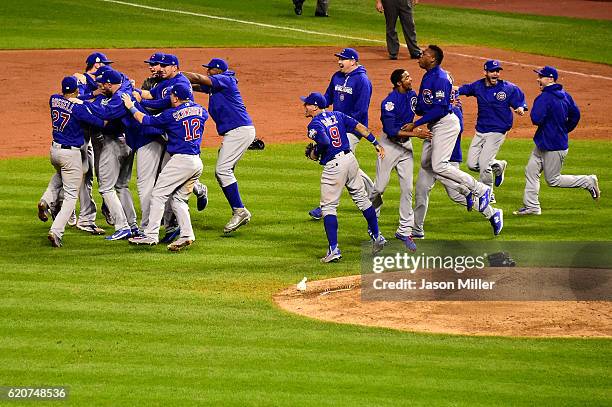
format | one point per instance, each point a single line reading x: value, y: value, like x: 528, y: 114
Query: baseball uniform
x: 496, y: 101
x: 67, y: 115
x: 350, y: 93
x: 556, y: 115
x: 234, y: 124
x: 184, y: 125
x: 397, y: 109
x: 340, y: 169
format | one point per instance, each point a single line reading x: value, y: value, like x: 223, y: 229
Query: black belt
x: 341, y: 153
x: 66, y: 147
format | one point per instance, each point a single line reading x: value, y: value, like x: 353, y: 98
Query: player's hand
x: 80, y: 77
x: 380, y: 150
x: 127, y: 101
x: 137, y: 96
x: 423, y: 134
x: 520, y: 111
x: 408, y: 127
x: 379, y: 6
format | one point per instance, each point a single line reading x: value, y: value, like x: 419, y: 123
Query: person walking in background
x: 402, y: 9
x: 320, y: 11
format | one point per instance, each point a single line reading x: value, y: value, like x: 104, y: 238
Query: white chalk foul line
x: 347, y: 37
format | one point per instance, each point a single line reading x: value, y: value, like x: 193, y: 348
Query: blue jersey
x: 433, y: 101
x: 397, y: 109
x: 161, y: 93
x: 350, y: 94
x: 184, y: 126
x: 556, y: 114
x: 225, y: 104
x: 494, y: 103
x: 67, y: 118
x: 328, y: 130
x: 86, y: 89
x: 457, y: 156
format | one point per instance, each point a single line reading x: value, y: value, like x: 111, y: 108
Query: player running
x: 340, y: 168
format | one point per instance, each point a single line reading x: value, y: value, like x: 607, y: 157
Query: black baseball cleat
x: 55, y: 240
x: 43, y: 210
x: 317, y: 14
x: 298, y: 7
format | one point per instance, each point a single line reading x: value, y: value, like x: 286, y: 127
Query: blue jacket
x: 556, y: 114
x: 434, y: 100
x: 494, y: 103
x: 350, y: 94
x: 396, y: 110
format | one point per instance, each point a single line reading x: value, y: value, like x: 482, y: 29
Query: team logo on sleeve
x: 427, y: 96
x: 440, y: 94
x: 164, y: 93
x: 501, y: 96
x: 389, y: 106
x: 413, y: 103
x: 312, y: 133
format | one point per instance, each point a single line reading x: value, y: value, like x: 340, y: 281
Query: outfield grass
x: 123, y: 325
x: 98, y: 24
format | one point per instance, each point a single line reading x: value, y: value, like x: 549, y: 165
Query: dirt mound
x: 339, y: 300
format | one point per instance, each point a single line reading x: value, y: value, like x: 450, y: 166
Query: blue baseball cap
x: 109, y: 76
x: 169, y: 59
x: 155, y: 58
x: 69, y: 84
x: 493, y: 65
x: 217, y: 63
x: 102, y: 69
x: 348, y: 53
x: 97, y: 57
x: 315, y: 98
x: 181, y: 91
x: 547, y: 72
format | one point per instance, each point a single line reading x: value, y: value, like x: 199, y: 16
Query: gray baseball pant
x: 398, y: 156
x: 482, y: 152
x: 367, y: 181
x: 438, y: 150
x: 148, y: 162
x: 551, y: 163
x: 115, y: 171
x: 235, y: 143
x: 175, y: 182
x: 68, y: 164
x: 337, y: 173
x: 403, y: 10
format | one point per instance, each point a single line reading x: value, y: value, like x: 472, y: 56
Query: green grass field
x: 128, y: 326
x: 100, y: 24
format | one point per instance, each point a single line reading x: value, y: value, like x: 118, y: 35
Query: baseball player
x: 349, y: 91
x: 329, y: 131
x: 556, y: 114
x: 434, y: 105
x: 184, y: 125
x: 457, y: 193
x: 87, y: 214
x: 496, y: 100
x: 116, y: 157
x: 227, y: 109
x: 67, y: 115
x: 397, y: 110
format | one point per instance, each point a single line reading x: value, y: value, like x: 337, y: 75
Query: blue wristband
x: 133, y: 110
x: 370, y: 137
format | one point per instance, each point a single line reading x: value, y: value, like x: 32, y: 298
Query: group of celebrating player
x: 336, y: 134
x: 101, y: 121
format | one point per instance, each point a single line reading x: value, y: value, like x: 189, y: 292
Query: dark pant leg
x: 407, y: 22
x: 391, y: 14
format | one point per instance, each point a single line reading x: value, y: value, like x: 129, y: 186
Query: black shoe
x: 393, y: 57
x: 317, y: 14
x: 298, y: 7
x: 416, y: 56
x: 55, y: 240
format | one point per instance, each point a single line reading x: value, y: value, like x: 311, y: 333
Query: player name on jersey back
x: 62, y: 103
x: 186, y: 112
x: 329, y: 121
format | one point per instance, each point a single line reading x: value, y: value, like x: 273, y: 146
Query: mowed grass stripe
x: 118, y: 323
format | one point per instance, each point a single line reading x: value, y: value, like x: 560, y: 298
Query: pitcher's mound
x: 339, y: 300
